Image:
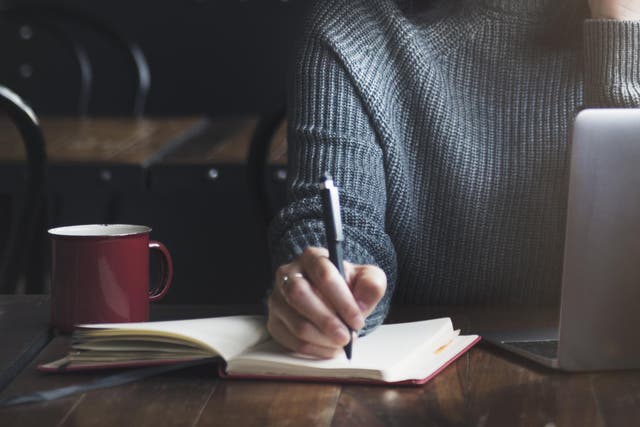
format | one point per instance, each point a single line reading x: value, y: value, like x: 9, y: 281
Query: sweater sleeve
x: 612, y: 63
x: 330, y: 131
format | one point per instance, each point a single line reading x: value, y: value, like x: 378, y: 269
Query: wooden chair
x: 44, y: 64
x: 114, y: 59
x: 106, y: 59
x: 26, y: 224
x: 258, y: 164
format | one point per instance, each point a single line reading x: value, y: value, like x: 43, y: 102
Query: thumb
x: 368, y: 284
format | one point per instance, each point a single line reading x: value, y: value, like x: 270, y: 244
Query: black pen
x: 333, y: 228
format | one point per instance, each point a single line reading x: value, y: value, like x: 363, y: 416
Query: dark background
x: 219, y: 58
x: 205, y: 56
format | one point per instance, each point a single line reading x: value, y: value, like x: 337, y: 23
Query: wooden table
x: 184, y: 177
x: 24, y: 331
x: 92, y: 164
x: 89, y: 154
x: 485, y: 387
x: 217, y: 158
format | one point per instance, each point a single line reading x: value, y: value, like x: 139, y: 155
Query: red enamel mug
x: 100, y: 274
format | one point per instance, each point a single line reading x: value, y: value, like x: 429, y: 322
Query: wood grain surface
x: 101, y: 140
x: 226, y: 140
x: 24, y: 331
x: 485, y: 387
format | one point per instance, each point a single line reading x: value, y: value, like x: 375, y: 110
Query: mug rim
x: 98, y: 230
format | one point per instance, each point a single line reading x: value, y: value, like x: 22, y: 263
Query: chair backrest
x: 102, y: 59
x: 257, y: 163
x: 43, y: 64
x: 116, y: 62
x: 25, y: 222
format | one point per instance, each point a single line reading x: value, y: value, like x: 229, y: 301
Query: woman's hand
x: 311, y: 303
x: 615, y: 9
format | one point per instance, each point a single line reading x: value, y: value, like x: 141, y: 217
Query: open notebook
x: 408, y: 353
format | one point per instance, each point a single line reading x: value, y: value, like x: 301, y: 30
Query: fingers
x: 369, y: 284
x: 328, y: 281
x: 299, y: 318
x: 311, y: 303
x: 306, y: 316
x: 281, y: 333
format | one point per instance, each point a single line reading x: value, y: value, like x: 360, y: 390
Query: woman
x: 445, y: 125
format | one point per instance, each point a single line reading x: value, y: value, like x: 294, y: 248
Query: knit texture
x: 446, y: 129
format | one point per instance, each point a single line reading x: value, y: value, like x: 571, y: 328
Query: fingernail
x: 362, y: 306
x: 358, y: 321
x: 341, y: 334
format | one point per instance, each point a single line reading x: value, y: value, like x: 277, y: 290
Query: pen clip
x: 330, y: 194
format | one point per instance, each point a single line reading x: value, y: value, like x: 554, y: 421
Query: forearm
x: 331, y: 131
x: 363, y: 202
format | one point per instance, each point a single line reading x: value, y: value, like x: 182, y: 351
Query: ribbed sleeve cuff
x: 612, y: 63
x: 293, y: 243
x: 296, y: 240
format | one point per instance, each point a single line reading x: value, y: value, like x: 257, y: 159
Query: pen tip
x: 326, y: 177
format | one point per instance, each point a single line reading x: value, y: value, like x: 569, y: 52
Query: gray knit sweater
x: 446, y: 129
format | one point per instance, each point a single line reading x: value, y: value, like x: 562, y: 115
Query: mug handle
x: 166, y: 271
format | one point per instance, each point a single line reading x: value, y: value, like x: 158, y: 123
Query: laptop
x: 598, y: 324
